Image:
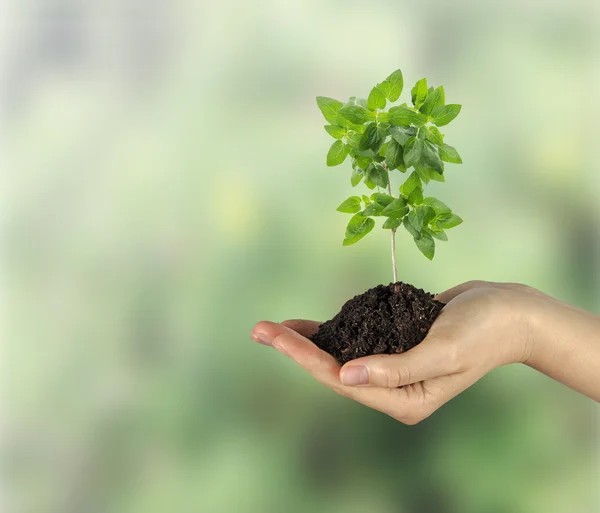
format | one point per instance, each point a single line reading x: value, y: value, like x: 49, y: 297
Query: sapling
x: 401, y: 138
x: 382, y: 145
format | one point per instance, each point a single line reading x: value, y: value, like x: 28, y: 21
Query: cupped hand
x: 483, y: 325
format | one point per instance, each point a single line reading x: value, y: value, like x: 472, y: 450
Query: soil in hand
x: 383, y: 320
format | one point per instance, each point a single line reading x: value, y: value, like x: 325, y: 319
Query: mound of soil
x: 383, y: 320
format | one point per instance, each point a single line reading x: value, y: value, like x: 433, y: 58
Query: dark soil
x: 383, y: 320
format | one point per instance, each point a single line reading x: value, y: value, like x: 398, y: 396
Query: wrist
x: 521, y: 325
x: 544, y: 322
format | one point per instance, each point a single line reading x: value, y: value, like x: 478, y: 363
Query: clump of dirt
x: 383, y: 320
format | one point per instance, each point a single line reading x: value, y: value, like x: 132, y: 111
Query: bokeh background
x: 166, y: 188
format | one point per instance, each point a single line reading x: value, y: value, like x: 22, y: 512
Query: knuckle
x: 516, y: 286
x: 394, y: 377
x: 403, y: 376
x: 472, y: 284
x: 279, y: 341
x: 453, y: 357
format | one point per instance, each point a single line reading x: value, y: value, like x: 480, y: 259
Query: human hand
x: 483, y: 326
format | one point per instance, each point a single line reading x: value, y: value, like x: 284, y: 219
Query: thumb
x: 430, y: 359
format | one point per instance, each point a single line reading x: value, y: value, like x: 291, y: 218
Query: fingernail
x: 355, y: 375
x: 261, y: 339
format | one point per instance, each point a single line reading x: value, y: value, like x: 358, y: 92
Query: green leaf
x: 369, y: 183
x: 443, y: 115
x: 357, y: 228
x: 426, y: 245
x: 436, y: 177
x: 386, y: 88
x: 370, y: 154
x: 425, y: 173
x: 448, y: 221
x: 356, y: 114
x: 391, y: 223
x: 342, y: 121
x: 396, y: 84
x: 394, y: 155
x: 350, y: 206
x: 412, y: 182
x: 416, y: 217
x: 382, y: 117
x: 329, y: 107
x: 409, y: 228
x: 337, y: 153
x: 416, y: 196
x: 428, y: 214
x: 374, y: 209
x: 382, y: 199
x: 419, y: 93
x: 357, y: 176
x: 363, y: 162
x: 376, y: 99
x: 373, y: 138
x: 353, y: 140
x: 435, y: 98
x: 437, y: 234
x: 401, y: 134
x: 366, y: 200
x: 378, y: 175
x: 336, y: 131
x: 382, y: 150
x: 432, y: 134
x: 431, y: 157
x: 396, y: 208
x: 405, y: 116
x: 412, y: 151
x: 442, y: 97
x: 438, y: 206
x: 449, y: 154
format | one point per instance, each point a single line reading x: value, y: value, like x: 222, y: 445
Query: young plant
x: 380, y: 141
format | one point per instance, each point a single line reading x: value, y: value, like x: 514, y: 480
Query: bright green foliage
x: 381, y: 142
x: 337, y: 153
x: 329, y: 107
x: 350, y: 206
x: 357, y: 228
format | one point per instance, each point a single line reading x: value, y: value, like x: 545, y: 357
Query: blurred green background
x: 167, y: 188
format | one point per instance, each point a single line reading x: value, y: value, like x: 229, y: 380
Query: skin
x: 483, y: 326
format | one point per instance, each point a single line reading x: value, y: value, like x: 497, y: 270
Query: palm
x: 408, y: 403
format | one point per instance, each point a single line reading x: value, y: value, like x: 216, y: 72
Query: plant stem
x: 394, y: 267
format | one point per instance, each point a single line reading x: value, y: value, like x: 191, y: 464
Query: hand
x: 483, y: 325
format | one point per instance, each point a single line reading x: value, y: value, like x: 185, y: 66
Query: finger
x: 439, y: 391
x: 305, y: 328
x: 450, y: 294
x: 413, y: 403
x: 400, y: 404
x: 320, y: 364
x: 430, y: 359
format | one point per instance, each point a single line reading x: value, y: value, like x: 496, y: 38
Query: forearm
x: 565, y: 345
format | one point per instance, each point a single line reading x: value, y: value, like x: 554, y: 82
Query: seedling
x: 381, y: 141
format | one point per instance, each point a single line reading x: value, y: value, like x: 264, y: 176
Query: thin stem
x: 394, y: 266
x: 394, y: 269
